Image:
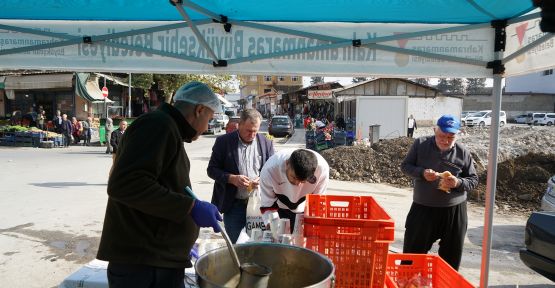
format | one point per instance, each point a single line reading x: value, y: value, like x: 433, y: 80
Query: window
x: 548, y: 72
x: 268, y: 78
x: 253, y: 78
x: 281, y: 78
x: 267, y: 91
x: 295, y: 78
x: 253, y: 92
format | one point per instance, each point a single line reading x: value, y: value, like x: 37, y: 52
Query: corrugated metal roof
x: 43, y: 81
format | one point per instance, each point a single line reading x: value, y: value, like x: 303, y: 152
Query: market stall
x: 398, y: 38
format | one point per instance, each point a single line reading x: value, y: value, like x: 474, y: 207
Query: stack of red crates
x: 430, y: 269
x: 354, y: 232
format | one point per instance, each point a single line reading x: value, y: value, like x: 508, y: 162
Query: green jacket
x: 147, y: 217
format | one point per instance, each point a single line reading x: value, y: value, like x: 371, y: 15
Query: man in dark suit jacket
x: 116, y: 136
x: 235, y: 165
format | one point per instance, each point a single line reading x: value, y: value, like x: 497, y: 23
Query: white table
x: 93, y: 275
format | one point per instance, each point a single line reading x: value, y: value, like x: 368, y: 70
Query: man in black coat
x: 66, y: 129
x: 235, y: 165
x: 117, y: 135
x: 151, y: 224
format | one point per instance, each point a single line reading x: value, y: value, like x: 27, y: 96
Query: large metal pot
x: 292, y: 267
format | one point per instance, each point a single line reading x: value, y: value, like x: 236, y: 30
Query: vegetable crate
x: 422, y: 270
x: 354, y: 232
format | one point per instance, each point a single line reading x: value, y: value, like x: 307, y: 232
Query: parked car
x: 232, y: 124
x: 281, y: 126
x: 548, y: 199
x: 548, y: 120
x: 465, y: 114
x: 222, y: 119
x: 214, y: 127
x: 534, y: 118
x: 483, y: 118
x: 539, y: 237
x: 521, y: 119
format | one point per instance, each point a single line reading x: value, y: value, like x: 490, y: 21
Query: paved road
x: 53, y: 203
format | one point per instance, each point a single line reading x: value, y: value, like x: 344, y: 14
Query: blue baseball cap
x: 449, y: 124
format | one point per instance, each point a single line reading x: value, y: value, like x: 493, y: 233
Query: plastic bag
x: 254, y: 217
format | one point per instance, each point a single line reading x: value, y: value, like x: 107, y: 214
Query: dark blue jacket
x: 224, y: 161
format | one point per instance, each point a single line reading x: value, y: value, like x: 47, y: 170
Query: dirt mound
x: 526, y: 161
x: 377, y: 164
x: 521, y: 182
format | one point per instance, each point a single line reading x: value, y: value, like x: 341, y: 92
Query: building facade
x: 253, y: 86
x: 540, y: 82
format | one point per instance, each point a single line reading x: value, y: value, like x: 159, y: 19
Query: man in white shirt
x: 411, y: 126
x: 285, y: 180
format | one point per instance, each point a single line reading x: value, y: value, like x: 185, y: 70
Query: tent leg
x: 491, y: 180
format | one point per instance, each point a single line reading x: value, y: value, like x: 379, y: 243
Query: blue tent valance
x: 367, y: 11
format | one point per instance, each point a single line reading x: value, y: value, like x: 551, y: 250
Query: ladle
x: 251, y: 275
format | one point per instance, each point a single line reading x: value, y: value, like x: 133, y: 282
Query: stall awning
x: 114, y: 79
x: 2, y: 78
x: 86, y: 86
x: 43, y: 81
x: 224, y: 101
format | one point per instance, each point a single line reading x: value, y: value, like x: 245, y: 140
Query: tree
x: 143, y: 81
x: 456, y: 85
x: 475, y: 85
x: 171, y: 82
x: 443, y: 85
x: 359, y: 79
x: 316, y: 80
x: 422, y: 81
x: 451, y: 85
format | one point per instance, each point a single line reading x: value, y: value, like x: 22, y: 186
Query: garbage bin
x: 374, y: 133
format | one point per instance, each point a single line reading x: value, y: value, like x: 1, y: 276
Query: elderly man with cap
x: 151, y: 224
x: 443, y: 173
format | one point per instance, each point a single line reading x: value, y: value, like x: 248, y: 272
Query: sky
x: 349, y: 80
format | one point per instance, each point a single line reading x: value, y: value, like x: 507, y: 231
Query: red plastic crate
x: 354, y: 232
x: 431, y: 268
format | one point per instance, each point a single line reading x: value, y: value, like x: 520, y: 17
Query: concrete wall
x: 426, y: 111
x: 2, y: 103
x: 537, y: 82
x: 512, y: 103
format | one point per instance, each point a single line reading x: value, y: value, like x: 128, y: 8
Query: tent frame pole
x: 197, y: 33
x: 491, y: 181
x: 528, y: 47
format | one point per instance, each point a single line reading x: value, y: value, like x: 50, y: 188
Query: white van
x: 534, y: 118
x: 483, y: 118
x: 548, y: 120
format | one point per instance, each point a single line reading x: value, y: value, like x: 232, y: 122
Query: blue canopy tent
x: 421, y: 38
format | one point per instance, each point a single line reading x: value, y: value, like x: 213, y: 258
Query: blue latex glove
x: 194, y: 252
x: 205, y: 214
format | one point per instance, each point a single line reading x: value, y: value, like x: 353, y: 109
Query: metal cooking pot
x: 292, y: 267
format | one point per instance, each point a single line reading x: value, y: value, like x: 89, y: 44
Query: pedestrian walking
x: 411, y: 126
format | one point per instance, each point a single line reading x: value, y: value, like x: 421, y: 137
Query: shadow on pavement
x: 211, y: 136
x: 350, y: 190
x: 505, y: 237
x: 64, y: 184
x: 200, y: 158
x: 522, y: 286
x: 89, y: 153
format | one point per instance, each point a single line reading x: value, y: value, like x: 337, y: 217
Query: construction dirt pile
x: 526, y: 161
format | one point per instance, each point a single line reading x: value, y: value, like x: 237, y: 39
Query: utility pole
x: 129, y: 100
x: 105, y: 99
